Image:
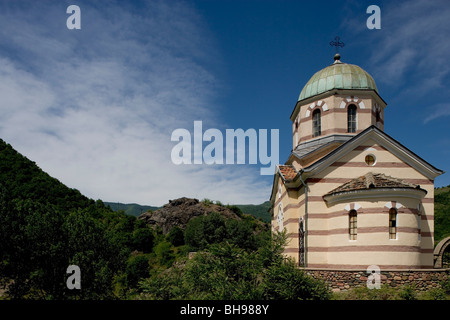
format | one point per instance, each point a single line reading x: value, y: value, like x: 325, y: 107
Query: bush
x: 137, y: 268
x: 226, y: 272
x: 143, y: 239
x: 446, y: 286
x: 176, y: 236
x: 363, y: 293
x: 241, y: 234
x: 235, y: 209
x: 284, y: 281
x: 207, y: 202
x: 434, y: 294
x: 408, y: 293
x: 204, y: 230
x: 165, y: 253
x: 164, y: 286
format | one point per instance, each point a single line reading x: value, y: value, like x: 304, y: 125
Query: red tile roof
x: 373, y: 180
x: 288, y: 172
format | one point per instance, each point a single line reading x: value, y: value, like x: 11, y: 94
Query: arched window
x: 351, y: 118
x: 352, y: 224
x: 316, y: 123
x: 280, y: 218
x: 378, y: 116
x: 393, y: 223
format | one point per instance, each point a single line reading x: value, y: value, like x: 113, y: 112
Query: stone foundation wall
x: 343, y: 280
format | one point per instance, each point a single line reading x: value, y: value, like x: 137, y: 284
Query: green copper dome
x: 338, y: 76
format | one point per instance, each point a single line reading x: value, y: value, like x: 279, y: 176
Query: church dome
x: 339, y: 75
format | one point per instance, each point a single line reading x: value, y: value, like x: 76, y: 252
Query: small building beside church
x: 350, y: 196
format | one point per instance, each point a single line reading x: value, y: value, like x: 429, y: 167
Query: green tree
x: 143, y: 239
x: 176, y: 236
x: 164, y: 252
x: 204, y: 230
x: 33, y: 249
x: 284, y: 281
x: 97, y: 255
x: 223, y: 272
x: 137, y: 268
x: 241, y: 234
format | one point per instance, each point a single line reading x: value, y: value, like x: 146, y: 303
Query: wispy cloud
x: 411, y: 52
x: 410, y: 43
x: 437, y: 111
x: 95, y: 108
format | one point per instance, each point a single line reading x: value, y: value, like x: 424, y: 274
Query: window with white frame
x: 280, y: 217
x: 351, y: 118
x: 393, y: 223
x: 353, y: 224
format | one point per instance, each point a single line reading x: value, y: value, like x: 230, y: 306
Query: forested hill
x: 132, y: 209
x: 441, y: 213
x: 25, y: 180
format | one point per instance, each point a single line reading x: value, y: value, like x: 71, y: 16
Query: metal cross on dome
x: 337, y: 43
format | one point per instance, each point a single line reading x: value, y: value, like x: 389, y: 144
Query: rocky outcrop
x: 178, y: 212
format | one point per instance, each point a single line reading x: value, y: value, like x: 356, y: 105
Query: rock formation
x: 178, y: 212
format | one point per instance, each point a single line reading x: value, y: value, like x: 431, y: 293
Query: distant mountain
x: 132, y: 209
x: 257, y: 210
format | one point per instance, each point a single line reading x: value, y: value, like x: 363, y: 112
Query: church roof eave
x: 308, y: 148
x: 291, y: 180
x: 374, y: 185
x: 375, y: 193
x: 383, y: 139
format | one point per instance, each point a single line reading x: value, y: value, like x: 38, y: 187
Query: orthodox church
x: 349, y: 195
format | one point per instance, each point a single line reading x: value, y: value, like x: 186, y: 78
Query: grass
x: 387, y: 292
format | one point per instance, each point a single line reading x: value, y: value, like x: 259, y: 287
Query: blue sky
x: 96, y: 107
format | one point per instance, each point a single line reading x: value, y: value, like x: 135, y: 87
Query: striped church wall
x: 328, y: 239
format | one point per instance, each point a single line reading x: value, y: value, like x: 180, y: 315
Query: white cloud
x: 410, y: 47
x: 437, y: 111
x: 412, y: 43
x: 96, y: 108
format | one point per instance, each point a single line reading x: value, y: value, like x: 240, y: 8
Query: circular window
x: 370, y: 160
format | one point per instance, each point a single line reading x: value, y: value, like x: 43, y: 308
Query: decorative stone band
x: 363, y: 164
x: 343, y: 180
x: 320, y: 104
x: 352, y: 100
x: 375, y: 194
x: 361, y: 230
x: 363, y: 268
x: 308, y: 116
x: 384, y: 210
x: 374, y: 248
